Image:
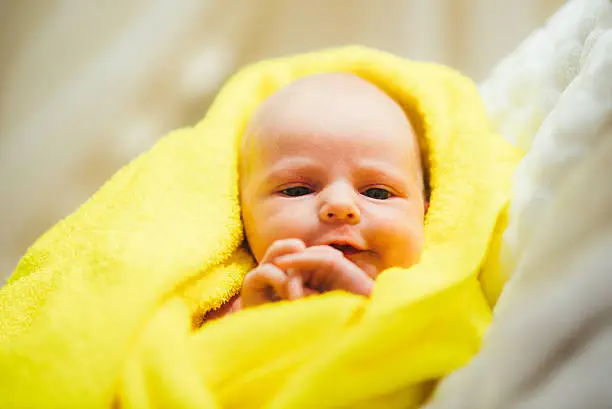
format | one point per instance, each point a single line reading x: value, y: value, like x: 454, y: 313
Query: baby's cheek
x: 285, y: 221
x: 401, y: 241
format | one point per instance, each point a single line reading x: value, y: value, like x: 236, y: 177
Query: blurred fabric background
x: 85, y: 87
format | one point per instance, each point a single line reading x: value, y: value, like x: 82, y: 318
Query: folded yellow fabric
x: 105, y: 309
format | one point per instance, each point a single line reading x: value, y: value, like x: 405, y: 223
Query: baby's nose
x: 340, y: 213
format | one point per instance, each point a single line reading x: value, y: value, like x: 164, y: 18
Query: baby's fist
x: 267, y: 282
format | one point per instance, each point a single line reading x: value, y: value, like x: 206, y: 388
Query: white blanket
x: 550, y: 345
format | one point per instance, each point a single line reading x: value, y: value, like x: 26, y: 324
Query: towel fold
x: 106, y: 308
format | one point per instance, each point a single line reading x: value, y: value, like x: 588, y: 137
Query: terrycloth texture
x: 549, y: 343
x: 104, y: 309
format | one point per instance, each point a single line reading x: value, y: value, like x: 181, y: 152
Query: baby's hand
x: 322, y: 269
x: 289, y: 271
x: 268, y: 282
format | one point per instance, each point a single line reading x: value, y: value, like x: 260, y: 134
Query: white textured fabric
x: 550, y: 345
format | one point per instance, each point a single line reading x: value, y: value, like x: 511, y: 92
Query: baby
x: 332, y: 190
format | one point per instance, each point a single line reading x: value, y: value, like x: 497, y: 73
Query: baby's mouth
x: 346, y: 249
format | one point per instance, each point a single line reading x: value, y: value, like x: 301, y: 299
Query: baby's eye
x: 377, y: 193
x: 296, y: 191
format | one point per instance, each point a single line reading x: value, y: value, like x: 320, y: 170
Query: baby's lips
x: 346, y: 249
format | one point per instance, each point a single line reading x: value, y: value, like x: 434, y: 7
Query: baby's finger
x: 257, y: 284
x: 328, y: 270
x: 282, y: 247
x: 295, y: 287
x: 309, y: 291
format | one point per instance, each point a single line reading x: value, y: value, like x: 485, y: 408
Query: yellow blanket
x: 105, y: 309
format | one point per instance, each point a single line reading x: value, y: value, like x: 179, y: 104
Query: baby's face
x: 332, y: 160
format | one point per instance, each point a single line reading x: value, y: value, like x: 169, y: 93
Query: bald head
x: 341, y: 105
x: 326, y: 103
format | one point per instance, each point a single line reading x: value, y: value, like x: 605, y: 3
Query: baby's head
x: 332, y: 159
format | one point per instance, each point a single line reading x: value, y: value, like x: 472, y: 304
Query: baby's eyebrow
x: 290, y: 166
x: 382, y: 169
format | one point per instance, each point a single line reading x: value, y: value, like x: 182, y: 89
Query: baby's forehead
x: 329, y: 103
x: 326, y: 88
x: 336, y: 112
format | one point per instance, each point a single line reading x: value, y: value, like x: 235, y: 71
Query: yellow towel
x: 104, y: 310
